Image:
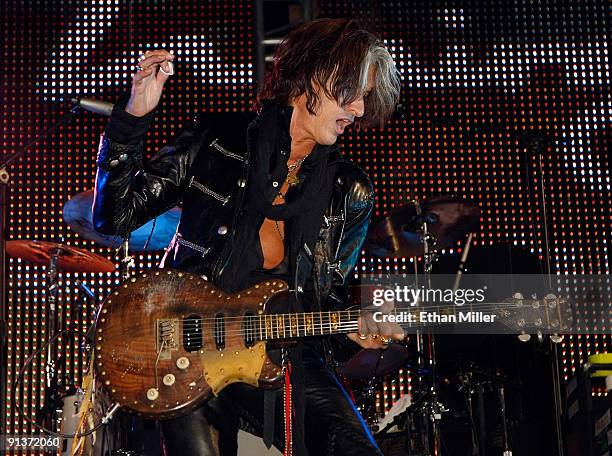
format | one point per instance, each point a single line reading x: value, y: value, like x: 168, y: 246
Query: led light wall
x: 54, y: 51
x: 499, y: 98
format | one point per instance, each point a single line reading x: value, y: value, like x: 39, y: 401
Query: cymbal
x: 158, y: 232
x: 70, y: 259
x: 374, y: 362
x: 399, y: 234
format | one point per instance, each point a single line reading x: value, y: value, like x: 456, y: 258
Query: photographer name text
x: 434, y: 317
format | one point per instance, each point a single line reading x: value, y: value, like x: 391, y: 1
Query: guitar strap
x: 288, y: 407
x: 269, y: 412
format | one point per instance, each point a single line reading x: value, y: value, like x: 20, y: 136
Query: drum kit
x: 396, y: 388
x: 62, y: 397
x: 419, y: 229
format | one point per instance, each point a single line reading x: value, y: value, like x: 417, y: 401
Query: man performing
x: 279, y: 202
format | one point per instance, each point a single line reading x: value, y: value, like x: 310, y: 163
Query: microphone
x: 96, y: 106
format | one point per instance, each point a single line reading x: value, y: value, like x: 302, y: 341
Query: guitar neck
x: 296, y: 325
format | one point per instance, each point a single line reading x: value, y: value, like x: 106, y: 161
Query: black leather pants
x: 333, y: 426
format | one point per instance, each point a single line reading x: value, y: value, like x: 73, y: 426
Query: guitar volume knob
x: 169, y: 379
x: 182, y: 363
x: 152, y: 394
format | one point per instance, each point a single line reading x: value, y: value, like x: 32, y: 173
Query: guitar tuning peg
x: 556, y: 338
x: 524, y: 337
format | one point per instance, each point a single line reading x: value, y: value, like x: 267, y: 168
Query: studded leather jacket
x: 205, y: 169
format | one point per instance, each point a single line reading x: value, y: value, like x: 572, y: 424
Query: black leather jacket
x: 206, y: 169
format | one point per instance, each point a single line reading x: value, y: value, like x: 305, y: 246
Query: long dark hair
x: 335, y: 55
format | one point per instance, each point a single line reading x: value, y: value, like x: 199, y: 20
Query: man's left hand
x: 374, y: 334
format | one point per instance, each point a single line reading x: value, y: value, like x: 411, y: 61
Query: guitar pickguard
x: 222, y: 367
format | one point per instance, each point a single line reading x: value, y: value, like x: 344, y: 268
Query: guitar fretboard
x: 293, y: 325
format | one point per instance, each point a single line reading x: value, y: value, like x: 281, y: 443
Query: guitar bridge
x: 166, y: 337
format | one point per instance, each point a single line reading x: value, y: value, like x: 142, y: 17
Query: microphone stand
x: 434, y: 408
x: 5, y: 182
x: 535, y: 147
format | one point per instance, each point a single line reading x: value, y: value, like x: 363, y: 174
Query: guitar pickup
x: 166, y: 339
x: 219, y: 331
x: 193, y: 333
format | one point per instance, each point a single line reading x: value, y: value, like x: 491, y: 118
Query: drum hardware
x: 473, y: 381
x: 156, y: 234
x: 5, y: 181
x: 127, y: 260
x: 59, y: 257
x: 430, y: 410
x: 58, y: 403
x: 87, y: 344
x: 422, y: 229
x: 59, y: 414
x: 401, y: 233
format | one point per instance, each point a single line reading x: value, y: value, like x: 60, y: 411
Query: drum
x: 69, y: 419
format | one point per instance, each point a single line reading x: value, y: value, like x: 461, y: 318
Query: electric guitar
x: 166, y: 341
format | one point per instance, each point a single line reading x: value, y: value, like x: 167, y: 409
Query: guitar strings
x: 481, y: 307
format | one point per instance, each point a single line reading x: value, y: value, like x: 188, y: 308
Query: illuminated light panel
x: 82, y: 49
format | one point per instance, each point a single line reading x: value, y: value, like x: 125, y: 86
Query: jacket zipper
x: 208, y: 191
x: 203, y: 250
x: 226, y: 152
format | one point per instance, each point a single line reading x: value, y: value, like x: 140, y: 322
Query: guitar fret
x: 284, y: 324
x: 304, y: 324
x: 321, y: 323
x: 308, y: 320
x: 280, y: 325
x: 294, y: 323
x: 324, y: 322
x: 312, y: 320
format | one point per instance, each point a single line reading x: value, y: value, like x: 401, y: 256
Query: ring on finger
x: 171, y: 69
x: 383, y: 340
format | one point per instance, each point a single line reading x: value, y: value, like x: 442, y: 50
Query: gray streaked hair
x: 334, y: 55
x: 381, y: 101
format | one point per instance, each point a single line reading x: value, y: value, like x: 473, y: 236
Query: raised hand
x: 148, y: 82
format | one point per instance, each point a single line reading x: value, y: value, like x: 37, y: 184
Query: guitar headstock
x: 550, y: 314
